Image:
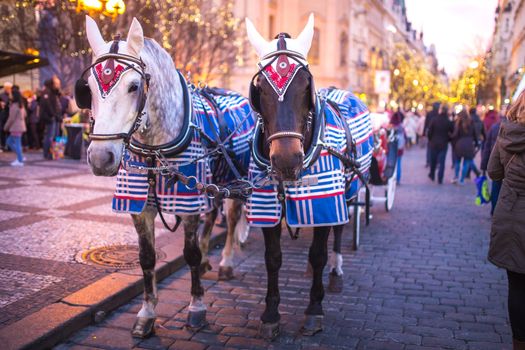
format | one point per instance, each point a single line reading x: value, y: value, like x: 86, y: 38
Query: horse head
x: 283, y: 94
x: 114, y: 87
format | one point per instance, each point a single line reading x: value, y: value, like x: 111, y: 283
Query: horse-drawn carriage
x: 384, y: 162
x: 381, y: 176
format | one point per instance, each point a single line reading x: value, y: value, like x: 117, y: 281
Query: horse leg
x: 204, y: 239
x: 335, y: 278
x: 145, y: 227
x: 318, y: 256
x: 273, y: 258
x: 193, y: 257
x: 233, y: 211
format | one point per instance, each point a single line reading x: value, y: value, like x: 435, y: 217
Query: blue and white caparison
x: 320, y: 198
x: 216, y: 112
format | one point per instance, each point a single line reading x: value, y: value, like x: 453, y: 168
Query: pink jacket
x: 17, y: 119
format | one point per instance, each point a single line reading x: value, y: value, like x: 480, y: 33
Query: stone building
x: 507, y: 52
x: 352, y: 42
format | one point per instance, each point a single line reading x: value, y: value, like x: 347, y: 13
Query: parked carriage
x: 382, y: 174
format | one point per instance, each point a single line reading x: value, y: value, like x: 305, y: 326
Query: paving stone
x: 416, y: 282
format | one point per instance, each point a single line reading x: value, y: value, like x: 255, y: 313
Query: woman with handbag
x: 507, y: 238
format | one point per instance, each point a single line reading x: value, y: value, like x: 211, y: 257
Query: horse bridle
x: 272, y: 57
x: 83, y: 92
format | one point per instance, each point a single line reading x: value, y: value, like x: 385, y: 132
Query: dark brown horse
x: 283, y: 94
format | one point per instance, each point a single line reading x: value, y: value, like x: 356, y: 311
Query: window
x: 343, y: 43
x: 314, y: 54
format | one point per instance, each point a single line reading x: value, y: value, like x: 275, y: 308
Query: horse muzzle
x: 104, y: 160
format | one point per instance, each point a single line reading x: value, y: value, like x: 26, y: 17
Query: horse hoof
x: 269, y: 331
x: 204, y: 267
x: 335, y: 283
x: 196, y: 320
x: 143, y: 327
x: 312, y: 324
x: 225, y: 273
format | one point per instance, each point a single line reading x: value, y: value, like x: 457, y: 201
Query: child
x: 16, y: 126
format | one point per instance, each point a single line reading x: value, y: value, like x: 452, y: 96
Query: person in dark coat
x: 490, y: 141
x: 428, y: 119
x: 480, y: 134
x: 438, y: 136
x: 465, y: 145
x: 507, y: 237
x: 50, y: 115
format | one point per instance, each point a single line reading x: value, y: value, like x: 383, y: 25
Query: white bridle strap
x: 283, y: 134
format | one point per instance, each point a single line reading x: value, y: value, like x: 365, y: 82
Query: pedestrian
x: 410, y: 126
x: 438, y: 137
x: 5, y: 100
x: 50, y: 115
x: 397, y: 125
x: 16, y: 126
x: 421, y: 130
x: 507, y: 238
x: 33, y: 112
x: 491, y: 118
x: 485, y: 156
x: 430, y: 116
x: 465, y: 145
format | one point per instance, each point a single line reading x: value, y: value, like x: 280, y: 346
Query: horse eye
x: 133, y: 87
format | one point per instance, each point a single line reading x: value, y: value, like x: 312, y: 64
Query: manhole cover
x: 121, y: 257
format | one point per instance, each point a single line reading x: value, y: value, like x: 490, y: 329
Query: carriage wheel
x: 390, y: 193
x: 356, y: 225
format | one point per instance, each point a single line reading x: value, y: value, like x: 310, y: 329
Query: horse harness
x: 107, y: 76
x: 287, y: 71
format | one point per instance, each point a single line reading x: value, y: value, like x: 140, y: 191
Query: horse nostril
x: 111, y: 157
x: 273, y: 159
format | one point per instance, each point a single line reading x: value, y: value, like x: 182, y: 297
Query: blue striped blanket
x: 132, y: 188
x: 320, y: 200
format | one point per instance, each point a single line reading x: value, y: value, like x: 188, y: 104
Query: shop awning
x: 12, y: 62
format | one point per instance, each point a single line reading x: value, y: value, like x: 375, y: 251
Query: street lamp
x: 110, y: 8
x: 474, y: 64
x: 415, y: 82
x: 396, y: 72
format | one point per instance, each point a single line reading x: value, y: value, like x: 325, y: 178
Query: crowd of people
x: 32, y: 120
x: 500, y: 139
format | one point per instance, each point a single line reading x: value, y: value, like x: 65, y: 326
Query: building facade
x: 507, y: 52
x: 352, y: 42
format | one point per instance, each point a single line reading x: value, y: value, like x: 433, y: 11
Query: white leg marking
x: 196, y: 304
x: 148, y: 309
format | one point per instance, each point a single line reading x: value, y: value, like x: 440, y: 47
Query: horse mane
x: 164, y: 106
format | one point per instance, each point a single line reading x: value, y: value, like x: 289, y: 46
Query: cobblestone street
x: 420, y: 280
x: 50, y: 212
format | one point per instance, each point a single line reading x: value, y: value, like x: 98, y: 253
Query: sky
x: 456, y: 27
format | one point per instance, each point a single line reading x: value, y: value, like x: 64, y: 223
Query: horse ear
x: 304, y: 40
x: 258, y: 42
x: 135, y: 38
x: 95, y: 39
